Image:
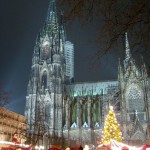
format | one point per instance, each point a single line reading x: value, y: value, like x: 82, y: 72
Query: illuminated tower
x: 44, y: 100
x: 69, y: 56
x: 133, y: 86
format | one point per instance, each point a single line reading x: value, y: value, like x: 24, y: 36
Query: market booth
x: 146, y: 147
x: 75, y: 148
x: 55, y: 147
x: 5, y: 145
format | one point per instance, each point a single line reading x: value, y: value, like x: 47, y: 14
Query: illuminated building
x: 67, y: 114
x: 69, y: 57
x: 10, y: 123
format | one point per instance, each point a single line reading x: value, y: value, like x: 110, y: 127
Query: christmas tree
x: 111, y: 128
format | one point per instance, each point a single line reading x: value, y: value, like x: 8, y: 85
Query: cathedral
x: 62, y: 112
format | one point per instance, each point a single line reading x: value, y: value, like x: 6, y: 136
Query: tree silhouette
x: 4, y: 97
x: 116, y: 17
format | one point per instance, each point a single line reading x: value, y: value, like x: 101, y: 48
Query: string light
x: 111, y: 128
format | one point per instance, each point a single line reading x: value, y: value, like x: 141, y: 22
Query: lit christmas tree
x: 111, y: 128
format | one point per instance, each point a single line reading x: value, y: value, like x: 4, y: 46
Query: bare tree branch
x: 4, y: 97
x: 116, y: 17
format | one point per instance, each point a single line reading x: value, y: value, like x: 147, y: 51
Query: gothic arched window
x: 135, y: 99
x: 74, y: 112
x: 85, y: 112
x: 45, y: 50
x: 96, y: 110
x: 44, y: 79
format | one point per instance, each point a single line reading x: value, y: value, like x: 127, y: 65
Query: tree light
x: 111, y: 128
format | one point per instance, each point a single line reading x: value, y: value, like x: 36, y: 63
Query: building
x: 70, y: 114
x: 44, y: 100
x: 69, y: 57
x: 11, y: 123
x: 134, y: 88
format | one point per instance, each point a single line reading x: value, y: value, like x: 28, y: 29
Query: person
x: 15, y: 138
x: 80, y: 148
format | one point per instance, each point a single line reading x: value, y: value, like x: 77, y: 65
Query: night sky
x: 20, y: 22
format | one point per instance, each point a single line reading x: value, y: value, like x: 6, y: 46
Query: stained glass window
x: 135, y: 99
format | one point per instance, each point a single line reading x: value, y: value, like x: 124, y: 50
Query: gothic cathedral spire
x: 51, y: 19
x: 51, y: 15
x: 127, y: 52
x: 44, y: 100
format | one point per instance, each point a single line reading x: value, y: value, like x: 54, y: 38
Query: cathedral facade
x: 59, y: 112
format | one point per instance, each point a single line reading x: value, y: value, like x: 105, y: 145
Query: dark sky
x: 20, y: 22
